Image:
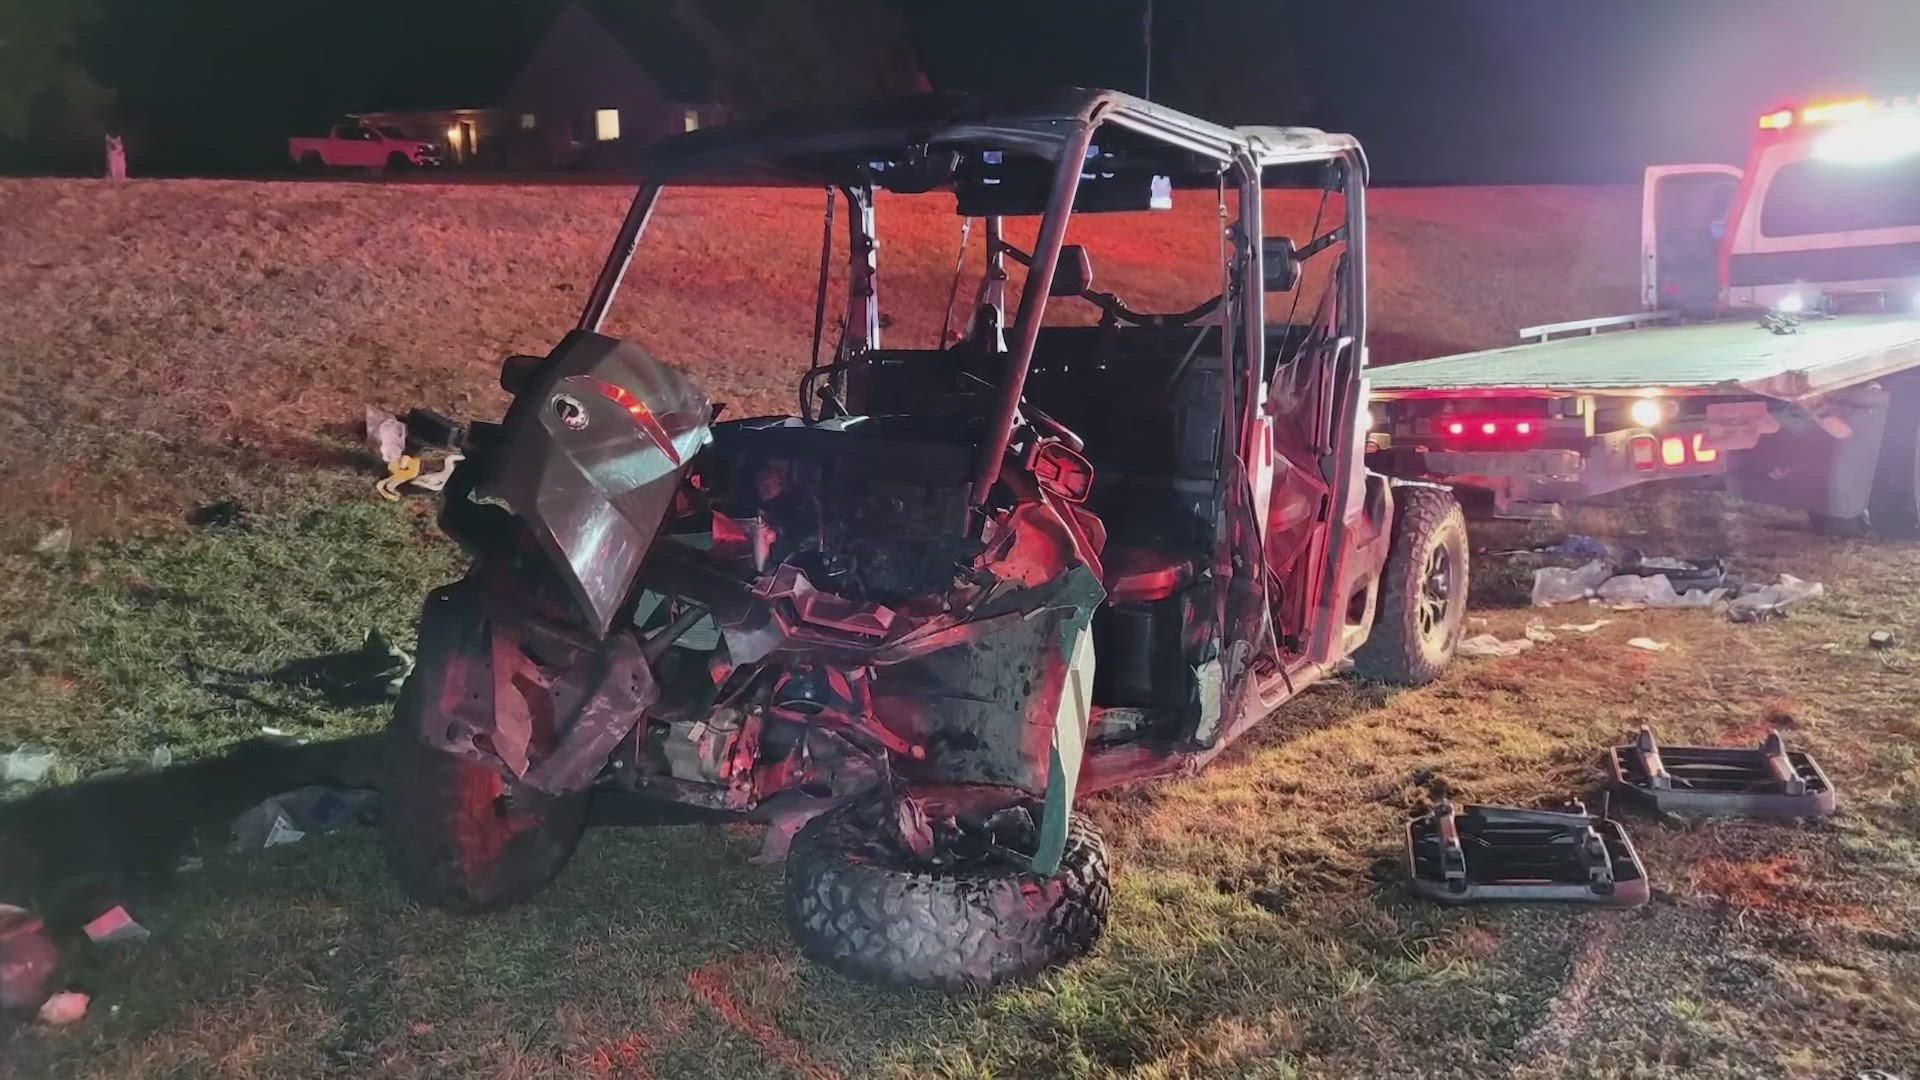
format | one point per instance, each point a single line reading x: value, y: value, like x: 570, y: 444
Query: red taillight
x: 1641, y: 450
x: 1523, y: 428
x: 1456, y: 428
x: 1489, y: 428
x: 648, y: 423
x: 1703, y: 453
x: 1673, y: 451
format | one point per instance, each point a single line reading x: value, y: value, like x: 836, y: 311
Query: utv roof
x: 1038, y: 123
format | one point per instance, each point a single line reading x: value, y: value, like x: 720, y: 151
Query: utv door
x: 1683, y: 217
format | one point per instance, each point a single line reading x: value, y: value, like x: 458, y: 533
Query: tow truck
x: 1777, y: 350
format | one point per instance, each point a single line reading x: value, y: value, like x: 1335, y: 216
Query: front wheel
x: 459, y: 835
x: 1423, y: 591
x: 869, y: 911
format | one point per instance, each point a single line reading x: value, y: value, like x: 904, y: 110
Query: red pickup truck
x: 360, y: 145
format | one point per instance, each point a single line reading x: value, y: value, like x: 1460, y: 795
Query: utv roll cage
x: 845, y: 147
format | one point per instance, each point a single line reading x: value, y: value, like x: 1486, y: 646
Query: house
x: 611, y: 77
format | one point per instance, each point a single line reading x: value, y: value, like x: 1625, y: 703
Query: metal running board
x: 1770, y: 781
x: 1478, y: 853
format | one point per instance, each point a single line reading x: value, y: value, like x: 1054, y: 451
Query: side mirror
x: 517, y: 371
x: 1073, y: 274
x: 1280, y: 263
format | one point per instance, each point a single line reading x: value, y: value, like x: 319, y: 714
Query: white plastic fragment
x: 1487, y: 645
x: 1649, y: 644
x: 63, y: 1008
x: 437, y: 479
x: 26, y: 764
x: 386, y: 435
x: 1538, y: 633
x: 57, y: 542
x: 1585, y: 628
x: 1559, y: 585
x: 1772, y: 599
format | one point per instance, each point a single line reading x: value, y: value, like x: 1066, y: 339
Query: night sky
x: 1438, y: 90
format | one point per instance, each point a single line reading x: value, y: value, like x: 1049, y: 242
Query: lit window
x: 693, y: 119
x: 606, y: 124
x: 527, y: 120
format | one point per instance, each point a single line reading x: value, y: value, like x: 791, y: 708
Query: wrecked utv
x: 969, y: 583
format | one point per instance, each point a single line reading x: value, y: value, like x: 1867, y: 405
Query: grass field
x: 166, y: 345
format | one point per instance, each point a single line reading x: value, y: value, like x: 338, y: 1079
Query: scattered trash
x: 28, y: 960
x: 1478, y: 622
x: 1684, y: 574
x: 437, y: 479
x: 1585, y: 628
x: 1655, y: 591
x: 427, y: 428
x: 1772, y: 600
x: 266, y: 825
x: 225, y: 514
x: 1487, y: 645
x: 26, y: 764
x: 115, y: 927
x: 1538, y: 633
x: 57, y: 542
x: 65, y: 1007
x: 161, y: 757
x: 1770, y: 781
x: 386, y: 435
x: 190, y: 864
x: 291, y: 816
x: 1882, y: 639
x: 1559, y: 585
x: 1649, y: 644
x: 400, y: 470
x: 353, y: 678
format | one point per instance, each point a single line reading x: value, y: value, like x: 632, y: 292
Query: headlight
x: 1646, y: 412
x: 1790, y: 304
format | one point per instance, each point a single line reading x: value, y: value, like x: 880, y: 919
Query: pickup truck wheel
x: 1423, y: 591
x: 1893, y: 507
x: 871, y: 912
x: 459, y: 835
x: 397, y: 162
x: 311, y: 162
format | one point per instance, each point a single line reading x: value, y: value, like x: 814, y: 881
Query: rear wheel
x: 861, y: 906
x: 1423, y: 591
x: 459, y: 833
x: 1893, y: 507
x: 311, y: 162
x: 397, y: 162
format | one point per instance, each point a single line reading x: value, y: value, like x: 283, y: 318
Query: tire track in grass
x: 709, y: 983
x: 1568, y: 1009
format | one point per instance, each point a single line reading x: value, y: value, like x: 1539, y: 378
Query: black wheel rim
x: 1437, y: 588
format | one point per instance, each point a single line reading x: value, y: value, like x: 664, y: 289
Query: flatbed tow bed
x: 1804, y: 418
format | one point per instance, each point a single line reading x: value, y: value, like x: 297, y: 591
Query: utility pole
x: 1146, y: 32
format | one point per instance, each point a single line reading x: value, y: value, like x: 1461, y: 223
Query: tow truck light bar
x: 1490, y: 427
x: 1828, y: 111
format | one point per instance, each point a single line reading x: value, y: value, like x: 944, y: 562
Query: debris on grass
x: 1656, y: 591
x: 161, y: 757
x: 28, y: 960
x: 58, y: 542
x: 1649, y: 644
x: 1774, y: 599
x: 1586, y: 627
x: 1559, y: 585
x: 1487, y: 645
x: 1882, y: 639
x: 362, y: 677
x: 224, y: 514
x: 386, y: 435
x: 115, y: 927
x: 291, y: 816
x: 63, y: 1008
x: 1538, y: 633
x: 26, y: 764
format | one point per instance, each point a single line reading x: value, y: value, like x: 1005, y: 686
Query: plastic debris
x: 1559, y: 585
x: 1882, y: 639
x: 292, y: 816
x: 353, y: 678
x: 65, y: 1007
x: 26, y: 764
x: 57, y: 542
x: 1487, y: 645
x: 28, y: 960
x: 1772, y: 600
x: 161, y: 757
x: 1585, y: 628
x: 225, y: 514
x: 386, y: 435
x: 115, y: 927
x: 437, y: 479
x: 1649, y: 644
x: 1655, y: 591
x: 1538, y: 633
x: 401, y: 470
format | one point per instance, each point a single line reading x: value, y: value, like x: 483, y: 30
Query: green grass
x: 1259, y: 928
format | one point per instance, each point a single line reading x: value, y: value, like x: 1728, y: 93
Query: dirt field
x: 167, y: 345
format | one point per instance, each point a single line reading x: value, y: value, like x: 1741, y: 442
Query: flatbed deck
x: 1729, y: 356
